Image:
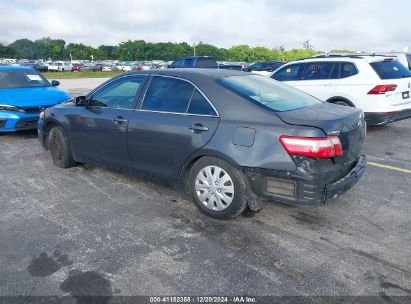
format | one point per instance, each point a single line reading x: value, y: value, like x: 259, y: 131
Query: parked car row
x: 86, y: 65
x: 210, y: 62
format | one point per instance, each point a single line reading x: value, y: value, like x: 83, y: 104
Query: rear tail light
x: 317, y: 147
x: 382, y: 89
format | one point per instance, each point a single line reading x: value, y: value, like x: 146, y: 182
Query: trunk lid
x: 345, y: 122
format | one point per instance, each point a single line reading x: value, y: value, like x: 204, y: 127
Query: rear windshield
x: 268, y: 92
x: 390, y: 69
x: 13, y: 79
x: 206, y: 62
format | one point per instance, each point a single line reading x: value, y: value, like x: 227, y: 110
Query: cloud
x: 350, y: 24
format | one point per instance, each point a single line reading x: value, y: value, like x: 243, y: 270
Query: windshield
x: 268, y: 92
x: 11, y: 79
x: 390, y: 69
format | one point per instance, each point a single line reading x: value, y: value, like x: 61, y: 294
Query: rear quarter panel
x: 266, y: 151
x: 235, y: 111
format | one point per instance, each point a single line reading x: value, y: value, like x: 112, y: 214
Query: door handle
x: 119, y: 120
x: 198, y: 127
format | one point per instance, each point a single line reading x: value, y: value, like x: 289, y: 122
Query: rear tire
x: 217, y: 188
x: 59, y: 149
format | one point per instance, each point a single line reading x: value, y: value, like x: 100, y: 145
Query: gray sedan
x: 230, y: 138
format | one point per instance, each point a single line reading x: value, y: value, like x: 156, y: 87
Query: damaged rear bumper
x: 308, y: 185
x: 342, y: 185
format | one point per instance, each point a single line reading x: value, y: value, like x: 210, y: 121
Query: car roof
x: 195, y: 57
x: 192, y: 73
x: 13, y: 67
x: 349, y: 57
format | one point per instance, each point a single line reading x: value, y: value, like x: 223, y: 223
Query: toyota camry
x: 231, y: 138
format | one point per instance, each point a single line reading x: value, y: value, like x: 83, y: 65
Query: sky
x: 363, y: 25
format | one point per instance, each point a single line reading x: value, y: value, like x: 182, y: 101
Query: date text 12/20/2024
x: 182, y: 299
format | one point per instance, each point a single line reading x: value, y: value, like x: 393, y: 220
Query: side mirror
x: 55, y: 83
x: 80, y: 101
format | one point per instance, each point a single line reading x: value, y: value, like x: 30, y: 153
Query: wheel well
x: 339, y: 98
x: 47, y: 129
x: 187, y: 167
x: 186, y: 170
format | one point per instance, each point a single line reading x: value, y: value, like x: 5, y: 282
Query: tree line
x: 57, y: 49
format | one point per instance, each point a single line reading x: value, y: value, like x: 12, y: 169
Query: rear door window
x: 168, y: 95
x: 199, y: 105
x: 390, y: 69
x: 348, y: 69
x: 317, y: 70
x: 288, y: 73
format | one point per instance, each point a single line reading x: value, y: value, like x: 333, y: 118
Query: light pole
x: 194, y: 45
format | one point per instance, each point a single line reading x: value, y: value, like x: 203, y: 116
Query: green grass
x: 85, y: 74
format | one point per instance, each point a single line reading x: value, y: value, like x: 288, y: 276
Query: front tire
x: 217, y: 188
x: 59, y: 149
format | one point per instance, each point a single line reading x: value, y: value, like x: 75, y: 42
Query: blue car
x: 23, y: 95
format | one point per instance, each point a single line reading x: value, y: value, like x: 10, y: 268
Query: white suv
x: 379, y: 85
